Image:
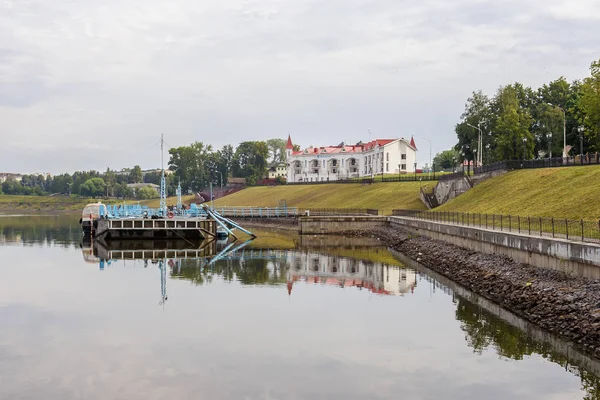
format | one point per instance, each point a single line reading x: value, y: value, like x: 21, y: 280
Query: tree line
x: 194, y: 167
x: 519, y: 122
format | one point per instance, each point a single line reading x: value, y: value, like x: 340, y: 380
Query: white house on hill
x: 332, y: 163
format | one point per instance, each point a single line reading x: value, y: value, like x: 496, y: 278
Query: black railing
x: 571, y: 161
x: 571, y: 229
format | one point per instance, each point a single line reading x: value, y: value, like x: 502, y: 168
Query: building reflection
x: 202, y: 262
x: 377, y: 277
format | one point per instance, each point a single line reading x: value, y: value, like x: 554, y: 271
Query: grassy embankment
x: 569, y: 192
x: 382, y: 196
x: 66, y: 203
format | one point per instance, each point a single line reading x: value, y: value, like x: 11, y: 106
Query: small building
x: 236, y: 181
x: 277, y: 170
x: 362, y: 160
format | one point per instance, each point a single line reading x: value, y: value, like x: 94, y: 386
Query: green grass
x: 381, y: 196
x: 570, y: 192
x: 67, y: 203
x: 43, y: 203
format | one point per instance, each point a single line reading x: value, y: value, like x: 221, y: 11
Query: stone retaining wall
x: 579, y: 259
x: 332, y: 225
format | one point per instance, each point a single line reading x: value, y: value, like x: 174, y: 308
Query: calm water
x: 281, y: 318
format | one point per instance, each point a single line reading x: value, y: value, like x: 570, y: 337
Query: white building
x: 332, y: 163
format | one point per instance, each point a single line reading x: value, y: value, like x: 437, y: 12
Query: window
x: 305, y: 163
x: 403, y: 156
x: 323, y: 162
x: 403, y: 167
x: 387, y: 156
x: 387, y: 167
x: 342, y: 162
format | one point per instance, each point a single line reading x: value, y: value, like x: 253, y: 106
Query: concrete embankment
x: 566, y: 305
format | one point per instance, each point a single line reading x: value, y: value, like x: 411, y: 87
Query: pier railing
x: 579, y: 230
x: 257, y: 212
x: 282, y: 212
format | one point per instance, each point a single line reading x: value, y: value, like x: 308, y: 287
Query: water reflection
x: 39, y: 230
x: 357, y: 267
x: 279, y: 317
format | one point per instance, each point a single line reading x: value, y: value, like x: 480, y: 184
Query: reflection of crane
x: 163, y: 281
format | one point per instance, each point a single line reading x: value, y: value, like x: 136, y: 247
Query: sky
x: 93, y: 84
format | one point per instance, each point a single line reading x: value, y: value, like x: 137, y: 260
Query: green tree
x: 93, y: 187
x: 146, y: 193
x: 250, y: 161
x: 590, y: 106
x: 445, y: 160
x: 110, y: 178
x: 191, y: 165
x: 514, y: 141
x: 277, y: 150
x: 136, y: 176
x: 477, y: 114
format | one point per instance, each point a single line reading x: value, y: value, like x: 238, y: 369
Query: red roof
x: 289, y: 144
x: 347, y: 149
x: 412, y: 143
x: 377, y: 142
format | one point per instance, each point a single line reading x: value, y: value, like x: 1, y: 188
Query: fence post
x: 540, y: 226
x: 500, y: 222
x: 486, y: 221
x: 582, y: 227
x: 552, y: 226
x: 529, y: 225
x: 519, y: 222
x: 509, y: 223
x: 567, y: 227
x: 494, y: 221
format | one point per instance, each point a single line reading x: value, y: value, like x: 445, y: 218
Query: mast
x: 163, y: 184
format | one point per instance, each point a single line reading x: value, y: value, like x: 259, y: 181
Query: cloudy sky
x: 90, y: 84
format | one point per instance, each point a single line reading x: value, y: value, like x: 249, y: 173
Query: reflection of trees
x: 246, y: 271
x: 61, y: 231
x: 483, y: 330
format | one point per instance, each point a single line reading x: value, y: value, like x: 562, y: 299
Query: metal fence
x: 257, y: 212
x: 563, y: 228
x: 283, y: 212
x: 585, y: 159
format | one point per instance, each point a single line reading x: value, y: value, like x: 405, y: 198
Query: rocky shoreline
x: 565, y: 305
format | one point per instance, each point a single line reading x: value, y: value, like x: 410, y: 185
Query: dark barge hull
x: 155, y: 229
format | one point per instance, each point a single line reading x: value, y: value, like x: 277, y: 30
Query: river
x: 281, y: 317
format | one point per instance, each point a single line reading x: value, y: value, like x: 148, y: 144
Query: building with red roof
x: 361, y: 160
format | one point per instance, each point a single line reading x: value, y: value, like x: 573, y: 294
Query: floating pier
x: 133, y: 221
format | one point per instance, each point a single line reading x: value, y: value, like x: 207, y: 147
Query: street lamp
x: 580, y: 130
x: 428, y: 141
x: 524, y: 149
x: 479, y: 144
x: 221, y: 189
x: 549, y: 137
x: 564, y: 152
x: 415, y: 170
